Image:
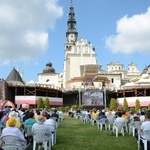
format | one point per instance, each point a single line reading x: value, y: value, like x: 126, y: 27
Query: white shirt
x: 13, y: 131
x: 142, y: 118
x: 145, y: 126
x: 50, y: 122
x: 120, y: 119
x: 37, y: 126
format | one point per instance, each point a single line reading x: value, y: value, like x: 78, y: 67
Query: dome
x: 49, y: 68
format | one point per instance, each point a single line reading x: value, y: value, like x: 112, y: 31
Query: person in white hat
x: 39, y: 125
x: 14, y: 114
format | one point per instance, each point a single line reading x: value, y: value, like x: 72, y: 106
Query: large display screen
x: 92, y: 98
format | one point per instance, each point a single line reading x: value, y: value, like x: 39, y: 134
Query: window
x: 47, y: 80
x: 112, y: 80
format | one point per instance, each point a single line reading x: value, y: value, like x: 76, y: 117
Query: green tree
x: 80, y: 107
x: 46, y: 103
x: 125, y: 104
x: 40, y: 103
x: 137, y: 104
x: 74, y: 107
x: 132, y: 109
x: 61, y: 108
x: 67, y: 108
x: 149, y: 107
x: 113, y: 103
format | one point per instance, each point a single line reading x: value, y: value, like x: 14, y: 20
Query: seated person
x: 94, y: 115
x: 12, y: 130
x: 145, y: 126
x: 27, y: 122
x: 50, y: 121
x: 38, y: 113
x: 39, y: 125
x: 120, y: 119
x: 2, y: 118
x: 14, y: 114
x: 103, y: 115
x: 55, y: 114
x: 31, y: 119
x: 124, y: 115
x: 142, y: 117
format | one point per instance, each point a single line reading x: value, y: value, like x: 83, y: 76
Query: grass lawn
x: 72, y: 134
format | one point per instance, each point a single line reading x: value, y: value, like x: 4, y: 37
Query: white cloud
x: 24, y: 28
x: 133, y: 35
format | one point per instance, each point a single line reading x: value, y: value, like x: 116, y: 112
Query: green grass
x: 72, y: 134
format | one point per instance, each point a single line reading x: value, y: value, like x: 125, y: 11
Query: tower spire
x: 71, y: 32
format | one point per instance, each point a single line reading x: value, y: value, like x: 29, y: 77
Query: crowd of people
x: 14, y: 122
x: 127, y: 118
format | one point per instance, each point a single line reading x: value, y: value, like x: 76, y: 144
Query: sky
x: 33, y: 33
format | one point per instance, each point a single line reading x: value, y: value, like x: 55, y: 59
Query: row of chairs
x: 9, y: 141
x: 146, y: 139
x: 39, y: 135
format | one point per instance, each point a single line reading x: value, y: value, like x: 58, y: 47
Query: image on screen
x: 92, y: 98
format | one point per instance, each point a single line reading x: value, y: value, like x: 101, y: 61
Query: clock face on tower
x: 71, y: 36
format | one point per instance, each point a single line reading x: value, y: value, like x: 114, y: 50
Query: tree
x: 149, y: 107
x: 40, y: 103
x: 137, y: 104
x: 80, y: 107
x: 125, y: 104
x: 74, y: 107
x: 67, y: 108
x: 46, y: 103
x: 113, y: 104
x: 61, y: 108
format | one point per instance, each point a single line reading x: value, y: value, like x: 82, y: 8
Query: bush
x: 137, y: 104
x: 80, y: 107
x: 120, y: 108
x: 74, y: 107
x: 113, y: 104
x: 67, y: 108
x: 132, y: 109
x: 144, y: 109
x: 46, y: 103
x: 94, y: 109
x: 61, y: 108
x: 40, y: 103
x: 125, y: 104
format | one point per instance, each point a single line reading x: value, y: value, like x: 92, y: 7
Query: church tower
x: 78, y: 53
x: 72, y: 33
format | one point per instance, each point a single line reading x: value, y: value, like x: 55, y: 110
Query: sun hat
x: 135, y: 115
x: 41, y: 120
x: 13, y: 114
x: 11, y: 122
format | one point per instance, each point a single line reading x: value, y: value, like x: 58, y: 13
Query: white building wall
x: 53, y: 79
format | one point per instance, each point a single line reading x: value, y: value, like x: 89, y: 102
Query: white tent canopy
x: 130, y: 84
x: 31, y: 82
x: 143, y: 81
